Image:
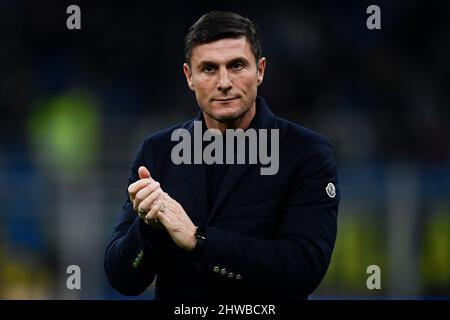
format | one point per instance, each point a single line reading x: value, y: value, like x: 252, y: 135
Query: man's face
x: 225, y: 77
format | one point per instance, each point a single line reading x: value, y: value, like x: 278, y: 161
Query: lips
x: 225, y: 99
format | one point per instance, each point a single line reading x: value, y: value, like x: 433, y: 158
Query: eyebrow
x: 213, y: 63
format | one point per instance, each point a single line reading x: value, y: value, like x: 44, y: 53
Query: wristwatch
x: 200, y: 234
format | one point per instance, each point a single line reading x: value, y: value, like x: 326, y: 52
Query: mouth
x: 225, y: 99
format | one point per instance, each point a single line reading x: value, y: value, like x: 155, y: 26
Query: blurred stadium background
x: 74, y: 105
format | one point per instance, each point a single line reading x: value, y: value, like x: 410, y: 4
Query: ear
x: 188, y: 74
x: 261, y: 69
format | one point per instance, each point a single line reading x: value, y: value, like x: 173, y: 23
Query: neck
x: 242, y: 122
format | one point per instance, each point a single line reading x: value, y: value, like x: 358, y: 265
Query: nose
x: 224, y: 83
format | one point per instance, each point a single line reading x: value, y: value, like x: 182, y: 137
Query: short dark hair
x: 217, y: 25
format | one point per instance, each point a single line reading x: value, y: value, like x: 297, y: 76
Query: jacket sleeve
x: 132, y: 255
x: 298, y: 258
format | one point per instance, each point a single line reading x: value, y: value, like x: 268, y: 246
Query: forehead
x: 222, y: 50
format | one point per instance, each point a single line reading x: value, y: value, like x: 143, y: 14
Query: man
x: 227, y: 230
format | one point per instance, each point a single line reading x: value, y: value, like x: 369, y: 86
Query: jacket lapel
x: 196, y: 177
x: 232, y: 177
x: 264, y: 119
x: 196, y: 173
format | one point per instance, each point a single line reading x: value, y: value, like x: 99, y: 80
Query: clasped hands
x: 157, y: 209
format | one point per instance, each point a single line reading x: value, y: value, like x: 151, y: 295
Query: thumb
x: 143, y: 172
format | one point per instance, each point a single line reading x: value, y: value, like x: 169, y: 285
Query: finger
x: 151, y: 214
x: 143, y: 172
x: 164, y: 196
x: 138, y: 185
x: 148, y: 201
x: 172, y: 206
x: 143, y: 194
x: 155, y: 224
x: 166, y: 207
x: 163, y: 219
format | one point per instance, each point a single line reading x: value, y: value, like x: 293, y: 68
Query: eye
x: 208, y: 68
x: 237, y: 66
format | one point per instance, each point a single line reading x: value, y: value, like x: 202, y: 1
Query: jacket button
x: 216, y: 269
x: 223, y: 272
x: 238, y: 277
x: 230, y: 275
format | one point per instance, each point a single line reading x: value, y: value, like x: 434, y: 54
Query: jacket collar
x: 196, y: 173
x: 264, y: 117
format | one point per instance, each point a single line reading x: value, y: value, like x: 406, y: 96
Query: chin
x: 226, y: 112
x: 226, y: 117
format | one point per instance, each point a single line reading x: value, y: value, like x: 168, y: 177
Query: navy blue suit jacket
x: 267, y: 236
